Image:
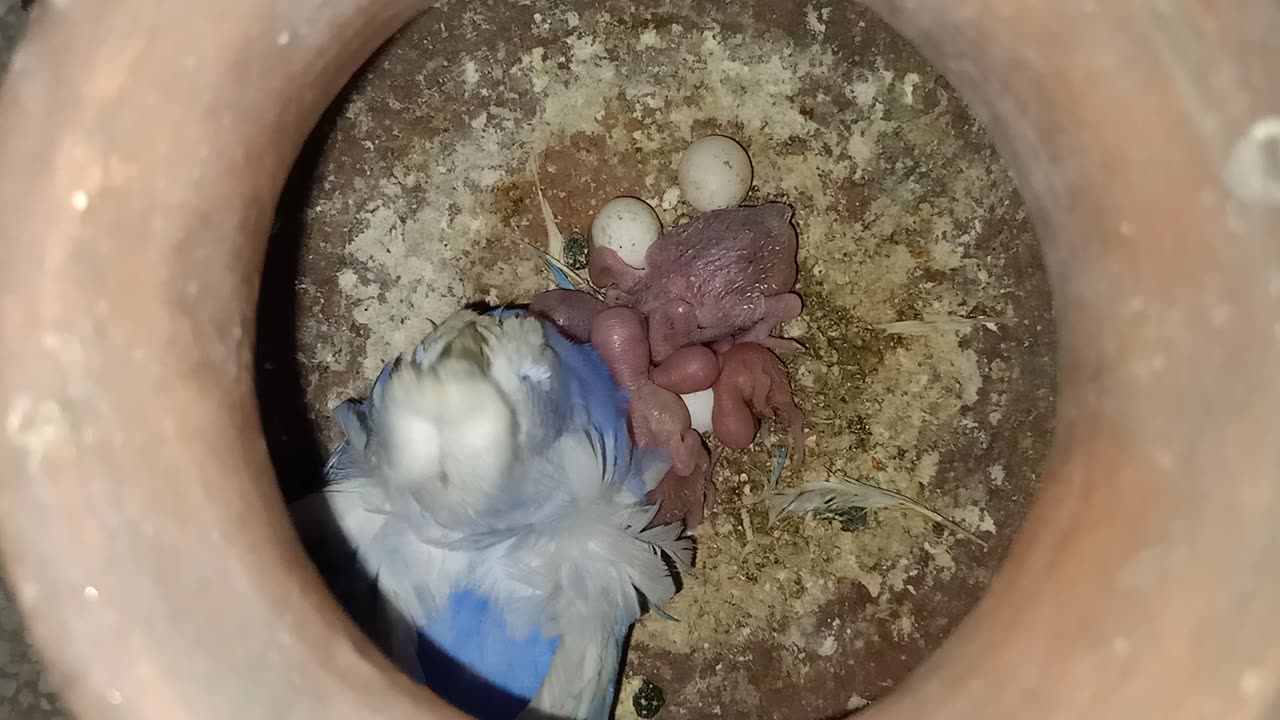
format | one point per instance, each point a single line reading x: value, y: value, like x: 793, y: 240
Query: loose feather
x: 847, y: 493
x: 565, y: 277
x: 943, y: 323
x: 779, y: 462
x: 555, y: 240
x: 560, y: 277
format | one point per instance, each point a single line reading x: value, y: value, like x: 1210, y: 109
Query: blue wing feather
x: 560, y: 277
x: 472, y: 662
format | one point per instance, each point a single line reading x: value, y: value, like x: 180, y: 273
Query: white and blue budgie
x: 484, y: 519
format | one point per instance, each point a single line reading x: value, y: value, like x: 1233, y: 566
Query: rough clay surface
x: 25, y: 692
x: 421, y: 187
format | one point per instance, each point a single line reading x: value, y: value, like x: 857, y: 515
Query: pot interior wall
x: 414, y: 192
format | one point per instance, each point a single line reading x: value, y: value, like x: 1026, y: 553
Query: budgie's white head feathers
x: 448, y: 422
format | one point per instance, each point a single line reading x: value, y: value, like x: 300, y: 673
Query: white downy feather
x: 599, y: 561
x: 389, y: 551
x: 581, y: 681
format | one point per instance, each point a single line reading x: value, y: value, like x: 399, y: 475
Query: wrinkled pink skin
x: 658, y: 417
x: 750, y: 381
x: 690, y: 369
x: 753, y: 383
x: 725, y: 276
x: 570, y: 310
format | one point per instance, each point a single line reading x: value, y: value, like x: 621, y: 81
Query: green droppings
x: 648, y: 700
x: 576, y: 251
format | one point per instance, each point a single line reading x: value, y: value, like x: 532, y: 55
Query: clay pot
x: 144, y: 144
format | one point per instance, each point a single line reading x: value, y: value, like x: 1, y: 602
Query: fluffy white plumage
x: 477, y: 464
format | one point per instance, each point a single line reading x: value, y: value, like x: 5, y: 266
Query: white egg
x: 715, y: 173
x: 628, y: 226
x: 699, y: 404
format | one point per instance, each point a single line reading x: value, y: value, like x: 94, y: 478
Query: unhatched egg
x: 715, y: 173
x: 628, y: 226
x: 699, y: 404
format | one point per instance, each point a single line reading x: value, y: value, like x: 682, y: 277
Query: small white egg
x: 699, y: 404
x: 628, y: 226
x: 715, y: 173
